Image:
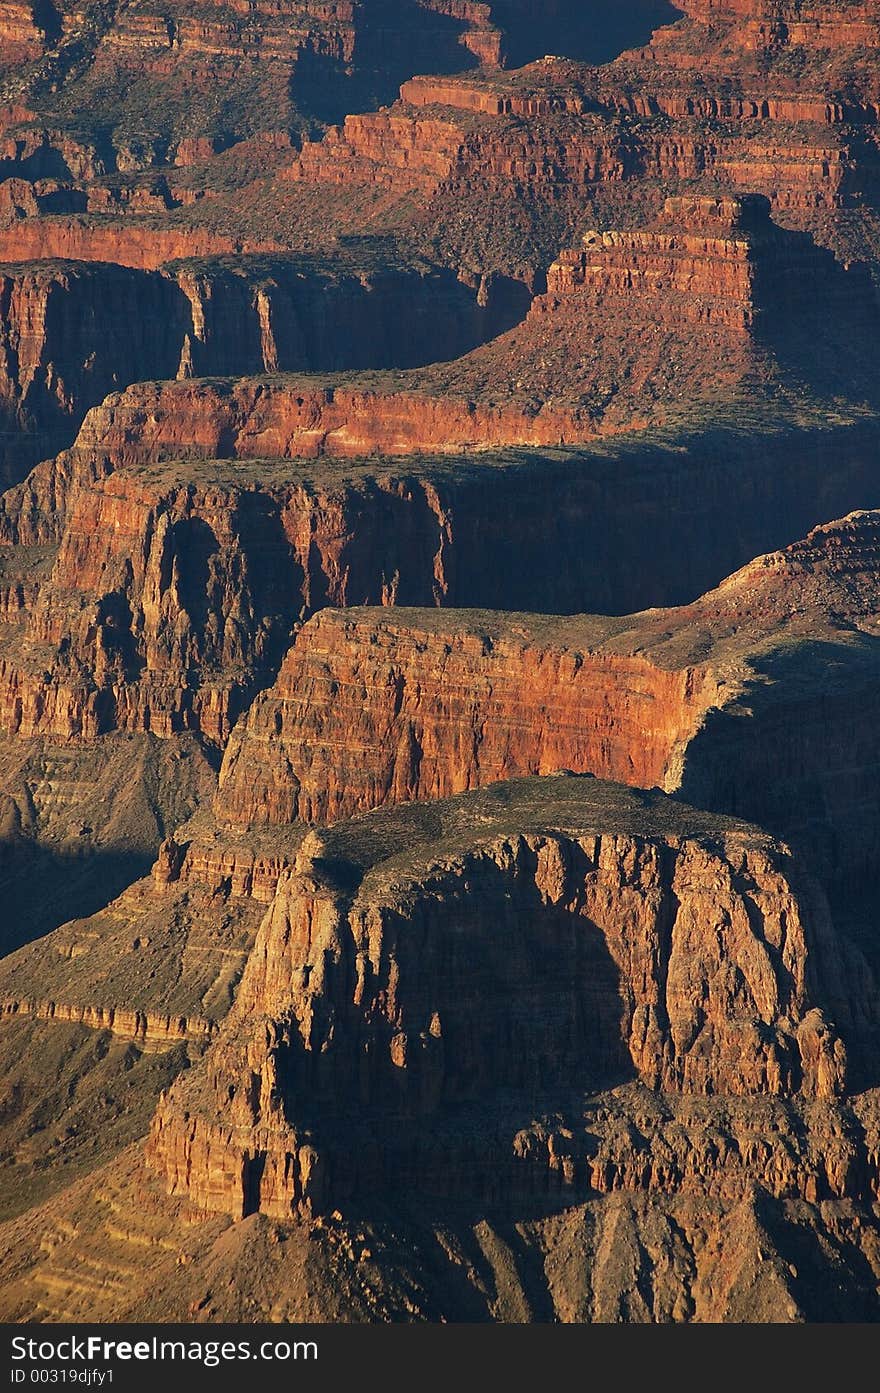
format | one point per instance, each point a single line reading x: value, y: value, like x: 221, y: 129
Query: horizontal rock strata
x: 365, y: 997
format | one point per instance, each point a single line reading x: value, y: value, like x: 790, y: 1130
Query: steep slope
x: 759, y: 699
x: 381, y: 936
x: 711, y: 308
x: 172, y: 594
x: 70, y: 332
x: 373, y: 980
x: 620, y: 1205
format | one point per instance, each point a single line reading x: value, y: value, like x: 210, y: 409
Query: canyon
x: 393, y: 705
x: 439, y: 608
x: 203, y: 318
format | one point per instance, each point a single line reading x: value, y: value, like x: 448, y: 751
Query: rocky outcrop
x: 559, y: 128
x: 174, y: 589
x: 150, y: 1032
x: 722, y: 262
x: 68, y: 336
x: 773, y: 313
x: 204, y: 856
x: 164, y: 624
x: 557, y: 146
x: 754, y: 28
x: 758, y: 700
x: 143, y: 248
x: 116, y: 1244
x: 21, y: 36
x: 387, y: 706
x: 358, y: 549
x: 670, y: 952
x: 71, y: 333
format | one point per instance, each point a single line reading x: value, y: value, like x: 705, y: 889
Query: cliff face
x: 162, y: 611
x: 359, y: 488
x: 160, y: 598
x: 359, y: 998
x: 773, y: 314
x: 170, y: 601
x: 779, y: 107
x: 751, y: 32
x: 725, y: 263
x: 756, y: 700
x: 371, y: 708
x: 141, y: 246
x: 70, y: 334
x: 294, y: 314
x: 601, y: 944
x: 743, y: 1255
x: 547, y: 141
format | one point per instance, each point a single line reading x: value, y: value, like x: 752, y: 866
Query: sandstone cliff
x: 170, y: 600
x: 758, y: 699
x: 382, y: 535
x: 68, y: 336
x: 744, y: 308
x: 160, y: 598
x: 362, y: 990
x: 71, y: 333
x: 113, y: 1245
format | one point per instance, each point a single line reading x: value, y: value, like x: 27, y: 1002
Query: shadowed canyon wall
x: 425, y: 565
x: 366, y: 998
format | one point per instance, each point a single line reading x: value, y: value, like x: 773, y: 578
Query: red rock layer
x: 161, y: 625
x: 172, y: 594
x: 724, y: 263
x: 68, y: 336
x: 720, y: 264
x: 71, y: 333
x: 758, y: 26
x: 755, y: 700
x: 128, y: 244
x: 204, y: 858
x: 303, y: 419
x: 372, y: 708
x: 21, y: 39
x: 565, y: 138
x: 147, y: 1030
x: 369, y: 1000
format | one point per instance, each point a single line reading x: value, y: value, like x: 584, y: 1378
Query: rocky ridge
x: 382, y: 536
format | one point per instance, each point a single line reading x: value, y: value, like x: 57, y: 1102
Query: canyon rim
x: 439, y: 662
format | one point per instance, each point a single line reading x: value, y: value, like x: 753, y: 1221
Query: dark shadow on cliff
x: 42, y: 887
x: 824, y: 337
x: 506, y: 1008
x: 798, y: 753
x: 591, y: 31
x: 399, y: 40
x: 395, y: 42
x: 817, y: 1266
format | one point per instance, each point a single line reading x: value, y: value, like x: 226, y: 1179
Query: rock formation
x: 751, y: 700
x: 157, y: 599
x: 370, y: 992
x: 745, y: 308
x: 70, y: 333
x: 438, y: 661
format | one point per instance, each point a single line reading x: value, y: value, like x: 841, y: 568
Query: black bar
x: 269, y: 1357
